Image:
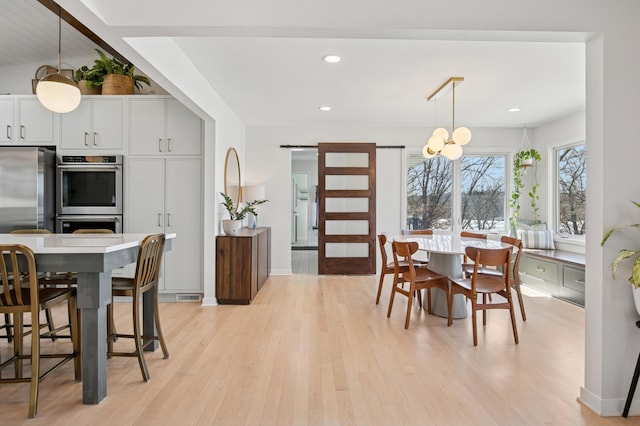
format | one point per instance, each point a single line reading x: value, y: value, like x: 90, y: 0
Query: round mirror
x: 232, y: 185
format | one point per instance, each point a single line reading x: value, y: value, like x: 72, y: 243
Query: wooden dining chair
x: 145, y: 279
x: 17, y: 268
x: 514, y: 269
x: 467, y: 266
x: 484, y: 284
x: 418, y: 279
x: 467, y: 234
x: 388, y: 267
x: 417, y: 232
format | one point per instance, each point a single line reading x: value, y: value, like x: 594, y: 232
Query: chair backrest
x: 17, y: 268
x: 382, y: 241
x: 468, y: 234
x: 149, y: 260
x: 489, y: 257
x: 93, y: 231
x: 417, y: 232
x: 404, y: 250
x: 30, y: 231
x: 515, y: 259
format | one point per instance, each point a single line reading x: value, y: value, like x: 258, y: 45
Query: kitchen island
x: 93, y: 257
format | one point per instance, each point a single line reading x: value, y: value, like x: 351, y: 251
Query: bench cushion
x: 537, y: 239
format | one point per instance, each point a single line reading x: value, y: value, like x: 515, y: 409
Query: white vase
x: 636, y: 298
x: 230, y: 227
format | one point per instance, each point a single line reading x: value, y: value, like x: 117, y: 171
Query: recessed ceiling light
x: 324, y: 108
x: 514, y: 109
x: 332, y: 59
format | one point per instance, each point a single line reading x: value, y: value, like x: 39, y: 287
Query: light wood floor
x: 316, y: 350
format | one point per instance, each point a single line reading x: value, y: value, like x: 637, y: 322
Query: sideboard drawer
x: 542, y: 269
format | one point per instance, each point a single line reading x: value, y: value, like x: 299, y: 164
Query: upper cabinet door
x: 108, y: 131
x: 163, y: 127
x: 96, y: 124
x: 7, y: 126
x: 184, y: 130
x: 35, y: 122
x: 147, y: 126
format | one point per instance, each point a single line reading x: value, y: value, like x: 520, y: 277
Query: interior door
x: 346, y: 208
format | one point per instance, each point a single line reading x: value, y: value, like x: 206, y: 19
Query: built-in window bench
x: 556, y: 272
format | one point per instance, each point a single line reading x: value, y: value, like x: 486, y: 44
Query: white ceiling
x: 272, y: 74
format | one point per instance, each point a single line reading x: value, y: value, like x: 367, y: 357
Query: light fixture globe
x: 441, y: 132
x: 435, y: 143
x: 58, y: 93
x: 461, y: 135
x: 452, y: 151
x: 427, y: 152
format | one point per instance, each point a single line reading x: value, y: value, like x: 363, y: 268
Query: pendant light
x: 439, y: 142
x: 56, y: 92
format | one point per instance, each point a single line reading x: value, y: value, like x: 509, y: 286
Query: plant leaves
x: 622, y: 255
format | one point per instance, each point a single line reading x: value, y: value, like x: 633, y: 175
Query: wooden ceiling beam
x: 79, y: 26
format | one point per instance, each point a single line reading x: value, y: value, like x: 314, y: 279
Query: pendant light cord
x: 59, y: 40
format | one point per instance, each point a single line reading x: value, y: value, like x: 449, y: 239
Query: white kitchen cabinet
x: 26, y: 121
x: 162, y: 126
x: 95, y: 125
x: 165, y: 195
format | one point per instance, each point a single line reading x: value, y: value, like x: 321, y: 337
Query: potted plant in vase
x: 623, y: 254
x: 523, y: 159
x: 237, y: 214
x: 119, y: 78
x: 89, y: 80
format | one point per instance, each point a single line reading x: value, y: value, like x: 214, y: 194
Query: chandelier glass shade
x: 57, y: 92
x: 440, y: 142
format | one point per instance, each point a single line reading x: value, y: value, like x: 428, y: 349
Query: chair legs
x: 380, y: 288
x: 520, y: 301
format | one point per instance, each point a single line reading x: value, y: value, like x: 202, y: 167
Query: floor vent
x: 188, y: 297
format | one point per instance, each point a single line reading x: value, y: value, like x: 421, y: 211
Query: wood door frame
x: 347, y: 265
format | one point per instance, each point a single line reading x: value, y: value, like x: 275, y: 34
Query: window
x: 434, y: 185
x: 571, y: 170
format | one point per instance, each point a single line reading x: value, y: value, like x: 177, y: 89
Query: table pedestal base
x: 451, y: 266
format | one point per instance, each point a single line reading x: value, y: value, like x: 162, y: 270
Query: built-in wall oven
x: 89, y: 192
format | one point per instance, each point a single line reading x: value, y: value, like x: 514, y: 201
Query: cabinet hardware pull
x: 22, y: 132
x: 159, y: 218
x: 85, y: 138
x: 580, y: 281
x: 94, y: 139
x: 168, y: 219
x: 160, y: 144
x: 540, y: 269
x: 9, y: 132
x: 169, y: 144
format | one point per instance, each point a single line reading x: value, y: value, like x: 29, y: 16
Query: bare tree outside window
x: 430, y: 193
x: 483, y: 193
x: 571, y: 166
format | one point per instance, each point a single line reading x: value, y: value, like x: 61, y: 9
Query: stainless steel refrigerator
x: 27, y: 188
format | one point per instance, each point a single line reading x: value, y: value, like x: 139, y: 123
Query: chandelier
x: 439, y: 142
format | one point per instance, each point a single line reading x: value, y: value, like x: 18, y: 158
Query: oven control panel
x: 91, y: 159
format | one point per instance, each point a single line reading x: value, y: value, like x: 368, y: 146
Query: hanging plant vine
x: 519, y: 171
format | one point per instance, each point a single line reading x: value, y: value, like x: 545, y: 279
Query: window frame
x: 554, y: 214
x: 456, y: 207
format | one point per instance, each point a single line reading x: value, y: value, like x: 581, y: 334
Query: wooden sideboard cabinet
x: 243, y: 264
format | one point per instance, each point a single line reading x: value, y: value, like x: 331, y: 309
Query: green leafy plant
x: 521, y: 158
x: 106, y: 65
x: 241, y: 211
x: 92, y: 76
x: 625, y: 253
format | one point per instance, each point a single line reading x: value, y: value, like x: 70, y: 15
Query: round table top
x: 448, y: 242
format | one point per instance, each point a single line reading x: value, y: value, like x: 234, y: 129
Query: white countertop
x: 76, y: 243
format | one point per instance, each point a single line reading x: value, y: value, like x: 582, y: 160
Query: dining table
x: 445, y: 252
x: 93, y: 257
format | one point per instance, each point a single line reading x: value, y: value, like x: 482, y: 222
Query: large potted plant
x: 237, y: 214
x: 523, y: 159
x: 623, y: 254
x: 119, y: 78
